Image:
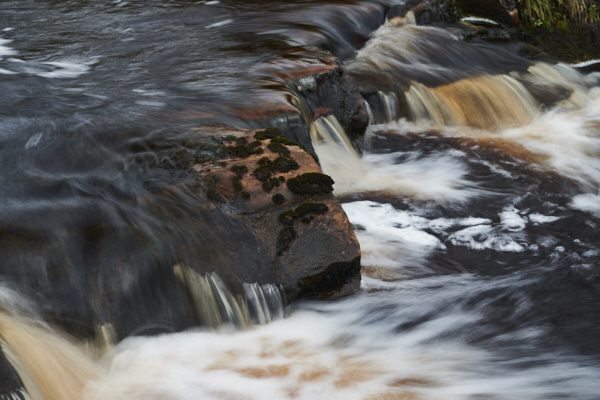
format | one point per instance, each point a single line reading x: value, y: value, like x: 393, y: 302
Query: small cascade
x: 50, y: 366
x: 329, y: 130
x: 336, y: 154
x: 481, y: 102
x: 265, y: 302
x: 53, y: 367
x: 216, y: 306
x: 390, y: 105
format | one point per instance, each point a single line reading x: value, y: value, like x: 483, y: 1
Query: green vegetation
x: 262, y: 173
x: 311, y: 183
x: 287, y: 218
x: 304, y: 212
x: 284, y: 164
x: 241, y: 148
x: 212, y: 193
x: 266, y: 168
x: 285, y: 238
x: 278, y: 198
x: 276, y: 147
x: 239, y: 170
x: 269, y: 133
x: 557, y: 13
x: 237, y: 184
x: 270, y: 184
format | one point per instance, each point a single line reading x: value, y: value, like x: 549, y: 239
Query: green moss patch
x: 285, y: 239
x: 311, y: 183
x: 239, y: 170
x: 270, y: 184
x: 262, y: 173
x: 265, y: 162
x: 284, y: 164
x: 304, y: 212
x: 242, y: 149
x: 268, y: 133
x: 287, y: 217
x: 278, y: 148
x: 267, y: 168
x: 237, y: 184
x: 278, y: 198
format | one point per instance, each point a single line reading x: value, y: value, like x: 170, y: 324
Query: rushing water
x: 476, y: 201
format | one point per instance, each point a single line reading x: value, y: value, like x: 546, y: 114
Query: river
x: 476, y: 200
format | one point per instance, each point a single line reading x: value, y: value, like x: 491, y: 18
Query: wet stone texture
x: 330, y: 90
x: 232, y: 212
x: 278, y: 189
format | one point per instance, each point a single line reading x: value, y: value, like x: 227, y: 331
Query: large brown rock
x: 278, y: 189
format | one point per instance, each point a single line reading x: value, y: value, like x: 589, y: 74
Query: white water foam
x: 569, y: 143
x: 392, y: 238
x: 588, y: 202
x: 438, y: 177
x: 220, y: 23
x: 6, y: 72
x: 64, y: 69
x: 346, y: 350
x: 5, y: 50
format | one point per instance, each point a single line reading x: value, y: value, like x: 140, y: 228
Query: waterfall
x: 481, y: 102
x: 51, y: 367
x: 216, y: 306
x: 54, y: 367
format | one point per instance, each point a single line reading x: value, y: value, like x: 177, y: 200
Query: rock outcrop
x: 277, y: 188
x: 253, y: 208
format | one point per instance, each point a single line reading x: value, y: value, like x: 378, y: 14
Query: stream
x: 476, y: 200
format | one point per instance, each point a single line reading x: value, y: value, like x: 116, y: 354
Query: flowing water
x: 476, y: 202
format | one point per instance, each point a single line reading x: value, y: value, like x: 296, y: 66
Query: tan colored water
x: 480, y: 102
x: 51, y: 367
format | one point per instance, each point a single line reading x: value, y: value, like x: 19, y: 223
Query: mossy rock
x: 303, y: 213
x: 285, y: 239
x: 270, y: 184
x: 243, y: 149
x: 304, y: 210
x: 239, y: 170
x: 278, y: 148
x: 212, y: 193
x: 269, y: 133
x: 237, y: 184
x: 278, y: 198
x: 285, y: 164
x: 311, y: 183
x: 287, y: 217
x: 265, y: 162
x: 262, y: 173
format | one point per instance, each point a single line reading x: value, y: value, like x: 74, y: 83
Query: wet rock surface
x: 279, y: 190
x: 331, y: 91
x: 231, y: 210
